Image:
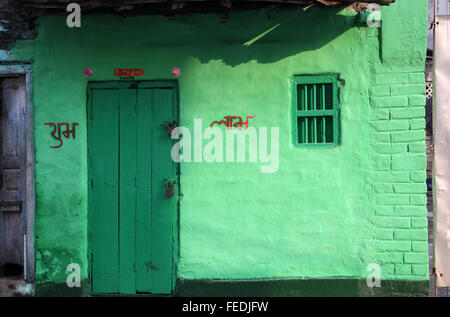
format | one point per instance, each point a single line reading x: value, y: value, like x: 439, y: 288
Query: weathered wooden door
x: 131, y: 219
x: 12, y: 175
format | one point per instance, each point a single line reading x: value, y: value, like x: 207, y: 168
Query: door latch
x: 170, y: 187
x: 170, y: 126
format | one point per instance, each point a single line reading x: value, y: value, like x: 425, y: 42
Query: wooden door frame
x: 25, y: 70
x: 139, y: 84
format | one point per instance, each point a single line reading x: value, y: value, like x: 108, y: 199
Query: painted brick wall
x: 398, y: 142
x: 357, y: 203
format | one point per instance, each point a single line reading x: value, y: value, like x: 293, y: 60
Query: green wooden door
x: 131, y: 220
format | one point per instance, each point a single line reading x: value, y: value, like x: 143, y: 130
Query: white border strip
x: 441, y: 135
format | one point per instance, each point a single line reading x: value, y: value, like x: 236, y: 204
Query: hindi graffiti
x: 229, y: 122
x: 65, y: 133
x: 128, y: 73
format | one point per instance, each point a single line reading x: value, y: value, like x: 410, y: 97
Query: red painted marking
x: 229, y: 122
x: 128, y: 72
x: 66, y: 133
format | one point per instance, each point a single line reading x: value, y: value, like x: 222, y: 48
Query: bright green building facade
x: 310, y: 228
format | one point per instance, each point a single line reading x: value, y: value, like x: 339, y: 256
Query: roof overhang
x: 17, y: 16
x: 39, y: 7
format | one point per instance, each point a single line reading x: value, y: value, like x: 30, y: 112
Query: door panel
x: 144, y: 188
x: 162, y: 211
x: 104, y: 189
x: 133, y: 251
x: 12, y: 171
x: 127, y: 199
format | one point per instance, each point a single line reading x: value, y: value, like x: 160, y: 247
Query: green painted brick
x: 392, y: 276
x: 383, y: 137
x: 393, y: 177
x: 417, y: 124
x: 399, y: 148
x: 392, y: 78
x: 410, y: 188
x: 418, y: 100
x: 381, y: 114
x: 403, y: 269
x: 387, y: 269
x: 411, y: 234
x: 385, y: 199
x: 418, y: 199
x: 419, y: 246
x: 383, y: 188
x: 409, y: 162
x: 417, y: 147
x: 390, y: 257
x: 393, y: 222
x: 416, y: 78
x: 390, y: 125
x: 416, y: 258
x: 380, y: 90
x: 389, y: 102
x: 382, y: 148
x: 419, y: 222
x: 410, y: 211
x: 420, y: 176
x: 382, y: 162
x: 384, y: 234
x: 408, y: 136
x: 385, y: 211
x: 393, y: 245
x: 408, y: 113
x: 420, y: 269
x: 408, y: 89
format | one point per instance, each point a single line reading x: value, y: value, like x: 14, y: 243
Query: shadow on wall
x: 206, y: 38
x: 288, y: 33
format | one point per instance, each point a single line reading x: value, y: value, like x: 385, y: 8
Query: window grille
x: 315, y: 110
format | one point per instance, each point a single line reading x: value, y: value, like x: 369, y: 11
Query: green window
x: 315, y: 110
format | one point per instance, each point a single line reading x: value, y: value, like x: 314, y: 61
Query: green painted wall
x: 327, y: 212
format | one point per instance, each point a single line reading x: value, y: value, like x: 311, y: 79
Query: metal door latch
x: 170, y: 187
x: 170, y: 126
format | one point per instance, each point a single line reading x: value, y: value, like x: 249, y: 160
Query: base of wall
x: 299, y: 288
x: 61, y: 290
x: 266, y: 288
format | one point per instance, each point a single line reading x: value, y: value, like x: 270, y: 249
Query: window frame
x: 334, y: 112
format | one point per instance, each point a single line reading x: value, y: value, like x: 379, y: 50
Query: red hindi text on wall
x: 57, y: 131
